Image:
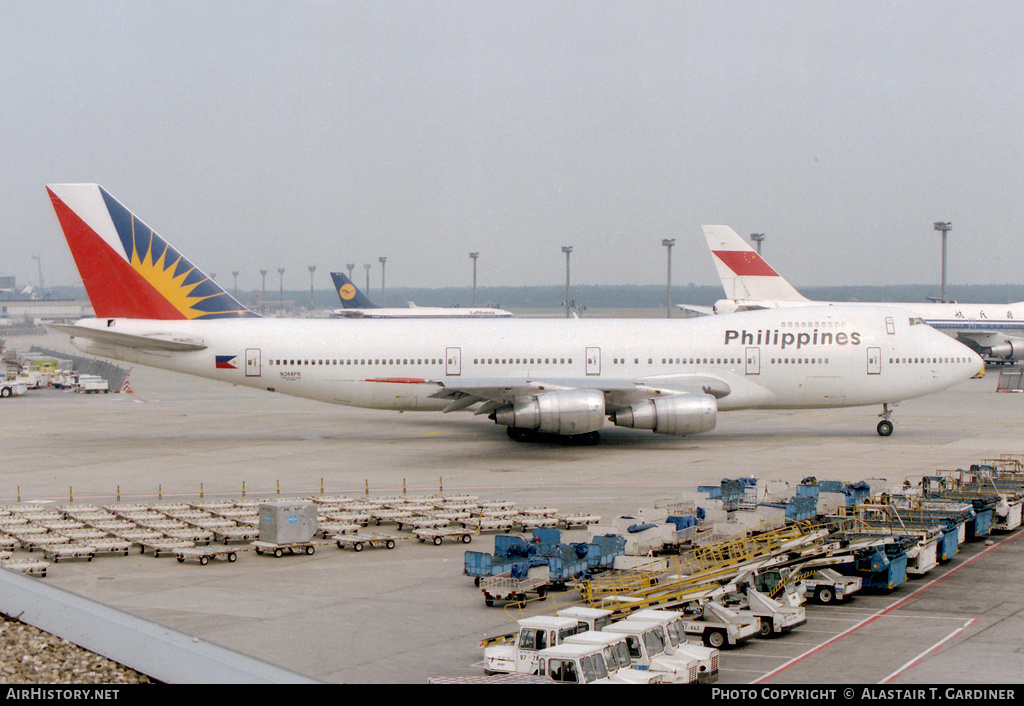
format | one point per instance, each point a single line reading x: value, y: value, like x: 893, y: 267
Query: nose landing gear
x: 885, y: 427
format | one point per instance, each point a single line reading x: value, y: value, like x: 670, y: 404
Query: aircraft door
x: 453, y: 361
x: 252, y: 362
x: 753, y: 361
x: 593, y: 361
x: 874, y: 361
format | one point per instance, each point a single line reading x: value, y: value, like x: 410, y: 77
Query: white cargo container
x: 288, y: 522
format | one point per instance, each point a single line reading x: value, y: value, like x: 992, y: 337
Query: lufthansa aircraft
x: 995, y: 331
x: 564, y: 377
x: 356, y: 305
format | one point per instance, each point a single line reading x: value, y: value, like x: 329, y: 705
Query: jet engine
x: 1010, y: 349
x: 674, y: 414
x: 725, y: 306
x: 566, y: 412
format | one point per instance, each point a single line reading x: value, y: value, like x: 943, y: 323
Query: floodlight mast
x: 943, y: 227
x: 474, y: 256
x: 668, y: 243
x: 567, y: 249
x: 757, y: 238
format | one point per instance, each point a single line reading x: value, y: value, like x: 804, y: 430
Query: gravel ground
x: 31, y: 656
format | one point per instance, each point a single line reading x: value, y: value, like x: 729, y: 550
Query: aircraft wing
x: 152, y: 342
x: 618, y: 393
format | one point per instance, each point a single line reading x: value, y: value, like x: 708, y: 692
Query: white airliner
x: 563, y: 377
x: 995, y: 331
x: 356, y: 305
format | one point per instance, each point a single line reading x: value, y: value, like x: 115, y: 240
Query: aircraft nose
x: 968, y: 364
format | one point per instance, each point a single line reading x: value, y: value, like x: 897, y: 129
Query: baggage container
x: 287, y: 522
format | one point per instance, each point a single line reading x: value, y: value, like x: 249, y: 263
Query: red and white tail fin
x: 745, y: 275
x: 128, y: 270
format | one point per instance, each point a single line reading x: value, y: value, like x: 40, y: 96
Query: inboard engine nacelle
x: 566, y: 412
x: 675, y: 414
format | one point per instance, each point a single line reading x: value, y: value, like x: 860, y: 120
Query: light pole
x: 263, y: 296
x: 312, y: 269
x: 383, y: 295
x: 42, y: 290
x: 280, y: 296
x: 944, y: 228
x: 234, y: 273
x: 474, y: 256
x: 367, y: 278
x: 350, y: 268
x: 668, y: 243
x: 567, y: 249
x: 757, y: 238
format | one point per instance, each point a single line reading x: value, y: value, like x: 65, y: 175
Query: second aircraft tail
x: 351, y: 297
x: 744, y: 274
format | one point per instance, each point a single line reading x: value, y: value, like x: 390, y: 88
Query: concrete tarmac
x: 405, y: 615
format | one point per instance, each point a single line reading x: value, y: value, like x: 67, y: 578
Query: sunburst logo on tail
x: 184, y: 285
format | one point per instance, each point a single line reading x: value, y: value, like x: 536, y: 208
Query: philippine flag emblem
x: 227, y: 362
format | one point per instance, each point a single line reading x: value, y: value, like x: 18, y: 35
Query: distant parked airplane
x: 356, y: 305
x: 995, y: 331
x: 564, y: 377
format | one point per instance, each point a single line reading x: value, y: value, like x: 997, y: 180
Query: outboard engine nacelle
x: 1012, y: 349
x: 565, y: 412
x: 674, y: 414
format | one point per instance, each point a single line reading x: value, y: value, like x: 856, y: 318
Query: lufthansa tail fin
x: 128, y: 270
x: 744, y: 274
x: 351, y: 297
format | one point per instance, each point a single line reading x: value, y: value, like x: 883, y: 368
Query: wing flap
x: 618, y: 392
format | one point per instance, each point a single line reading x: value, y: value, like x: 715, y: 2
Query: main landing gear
x: 529, y: 435
x: 885, y: 426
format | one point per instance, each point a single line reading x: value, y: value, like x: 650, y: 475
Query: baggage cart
x: 204, y: 554
x: 164, y: 545
x: 279, y: 549
x: 437, y: 534
x: 356, y: 542
x: 504, y: 587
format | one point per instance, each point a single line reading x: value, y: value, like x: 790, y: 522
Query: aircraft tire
x: 885, y: 428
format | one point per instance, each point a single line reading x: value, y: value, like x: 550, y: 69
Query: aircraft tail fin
x: 744, y: 274
x: 128, y: 270
x: 351, y: 297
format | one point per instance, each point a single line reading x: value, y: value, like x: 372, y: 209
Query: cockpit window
x: 915, y: 320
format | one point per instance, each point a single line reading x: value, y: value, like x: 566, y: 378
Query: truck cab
x: 594, y: 618
x: 616, y: 658
x: 646, y: 643
x: 573, y: 664
x: 672, y: 621
x: 534, y: 634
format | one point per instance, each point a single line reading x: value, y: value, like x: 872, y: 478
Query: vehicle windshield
x: 654, y: 642
x: 594, y: 668
x: 623, y: 654
x: 675, y: 633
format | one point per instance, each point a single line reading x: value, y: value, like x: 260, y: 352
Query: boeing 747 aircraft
x: 356, y: 305
x: 995, y: 331
x: 565, y: 377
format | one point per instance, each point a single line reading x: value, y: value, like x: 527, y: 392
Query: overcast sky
x: 256, y: 135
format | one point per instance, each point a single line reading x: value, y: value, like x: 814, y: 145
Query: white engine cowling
x: 1011, y: 349
x: 725, y: 306
x: 674, y: 414
x: 565, y: 412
